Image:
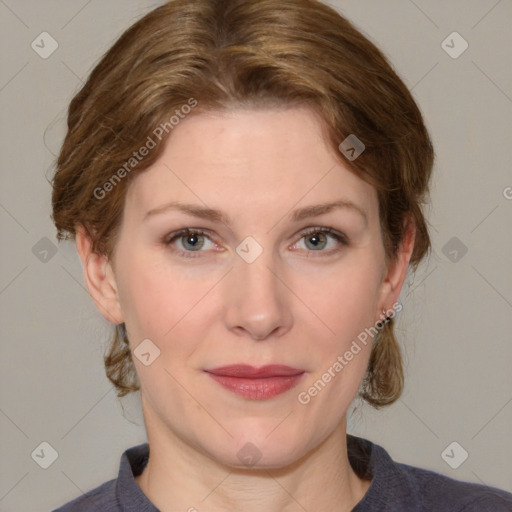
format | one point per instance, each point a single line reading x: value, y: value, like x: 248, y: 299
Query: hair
x: 217, y: 55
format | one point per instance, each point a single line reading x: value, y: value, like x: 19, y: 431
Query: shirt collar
x: 389, y: 483
x: 128, y: 493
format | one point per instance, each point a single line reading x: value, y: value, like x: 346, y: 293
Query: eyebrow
x: 218, y: 216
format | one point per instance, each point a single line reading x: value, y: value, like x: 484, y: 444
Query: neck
x: 179, y: 477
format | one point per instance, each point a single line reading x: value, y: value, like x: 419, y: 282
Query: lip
x: 257, y: 383
x: 251, y: 372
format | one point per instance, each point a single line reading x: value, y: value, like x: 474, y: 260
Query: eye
x: 190, y: 240
x: 317, y: 239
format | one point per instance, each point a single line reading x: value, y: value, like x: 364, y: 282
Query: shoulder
x: 400, y: 487
x: 101, y: 498
x: 438, y: 492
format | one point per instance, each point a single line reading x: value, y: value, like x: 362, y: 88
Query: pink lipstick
x: 256, y: 383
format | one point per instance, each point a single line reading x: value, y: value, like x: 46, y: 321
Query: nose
x: 257, y: 300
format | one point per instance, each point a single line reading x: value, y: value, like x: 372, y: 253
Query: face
x: 269, y: 278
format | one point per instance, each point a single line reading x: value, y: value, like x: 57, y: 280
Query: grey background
x: 455, y: 325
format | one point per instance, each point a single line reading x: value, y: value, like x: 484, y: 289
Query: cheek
x: 345, y: 302
x: 344, y: 298
x: 168, y: 307
x: 154, y: 299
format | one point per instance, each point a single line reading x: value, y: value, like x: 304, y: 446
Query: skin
x: 299, y: 303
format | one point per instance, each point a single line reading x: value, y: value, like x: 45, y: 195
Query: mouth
x: 256, y: 383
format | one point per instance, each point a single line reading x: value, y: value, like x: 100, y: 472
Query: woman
x: 244, y: 182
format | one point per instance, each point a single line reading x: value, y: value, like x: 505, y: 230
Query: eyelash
x: 169, y: 239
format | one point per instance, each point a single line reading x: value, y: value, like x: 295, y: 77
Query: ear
x: 99, y: 278
x: 396, y: 270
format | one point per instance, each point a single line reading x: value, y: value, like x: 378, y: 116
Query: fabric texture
x: 394, y: 487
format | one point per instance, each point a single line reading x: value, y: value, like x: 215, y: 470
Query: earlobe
x: 99, y: 278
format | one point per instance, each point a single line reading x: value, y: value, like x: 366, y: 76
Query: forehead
x: 249, y: 159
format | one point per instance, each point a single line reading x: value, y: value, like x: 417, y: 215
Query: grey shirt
x: 394, y: 487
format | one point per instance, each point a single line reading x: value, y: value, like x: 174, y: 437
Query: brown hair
x: 222, y: 54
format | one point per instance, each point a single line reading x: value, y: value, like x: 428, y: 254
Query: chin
x: 259, y: 447
x: 250, y: 456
